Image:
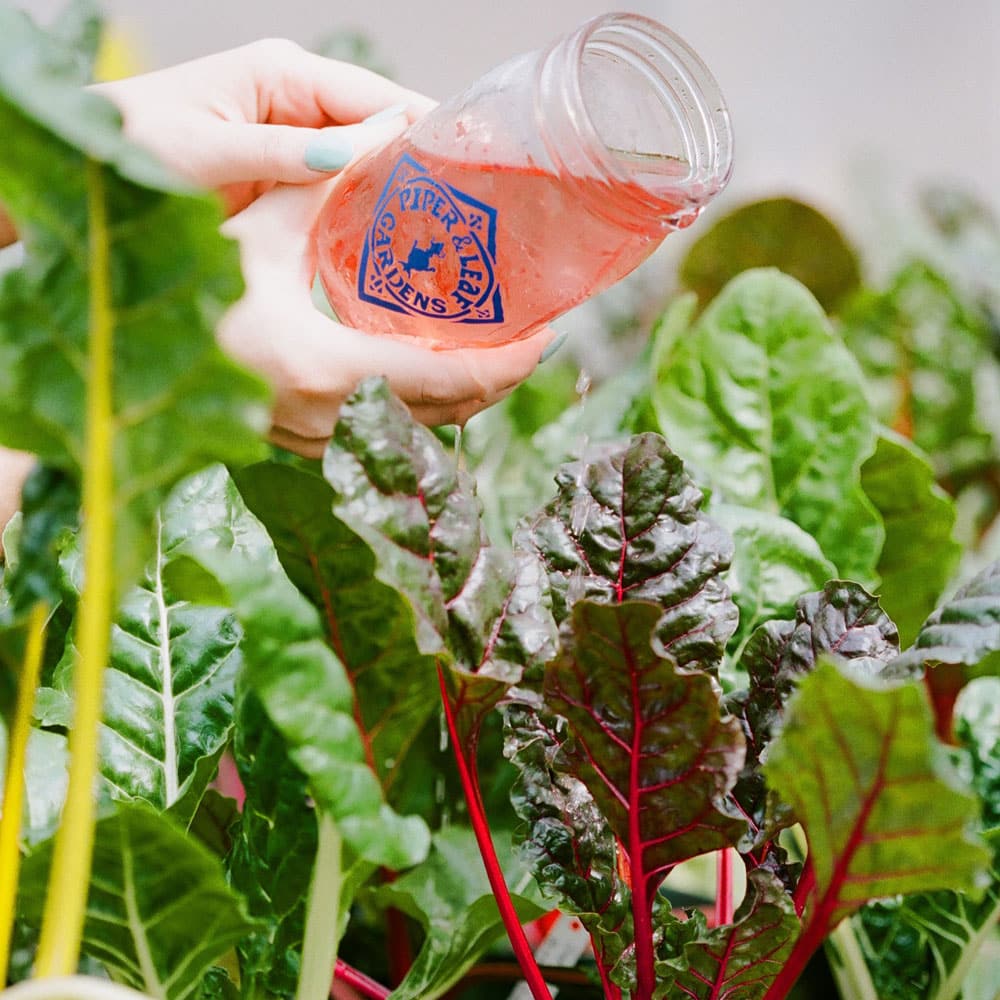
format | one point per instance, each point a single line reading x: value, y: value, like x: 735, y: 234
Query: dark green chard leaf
x: 159, y: 911
x: 568, y: 841
x: 627, y: 525
x: 451, y: 898
x: 273, y: 852
x: 399, y: 490
x: 289, y: 667
x: 768, y: 409
x: 883, y: 809
x: 920, y: 553
x: 649, y: 742
x: 843, y: 619
x: 779, y: 232
x: 367, y: 624
x: 958, y: 642
x: 921, y: 348
x: 192, y: 406
x: 738, y: 961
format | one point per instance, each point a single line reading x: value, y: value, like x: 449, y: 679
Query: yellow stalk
x: 13, y: 789
x: 69, y: 880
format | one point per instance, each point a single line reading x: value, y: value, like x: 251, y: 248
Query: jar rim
x: 687, y: 89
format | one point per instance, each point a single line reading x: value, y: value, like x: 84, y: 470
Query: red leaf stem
x: 723, y: 888
x: 805, y: 885
x: 400, y: 951
x: 366, y: 986
x: 480, y: 827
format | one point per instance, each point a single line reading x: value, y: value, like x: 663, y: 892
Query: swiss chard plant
x: 690, y: 661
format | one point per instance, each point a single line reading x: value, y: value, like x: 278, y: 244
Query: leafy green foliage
x: 148, y: 882
x: 627, y: 524
x: 367, y: 624
x: 451, y: 898
x: 843, y: 619
x: 922, y: 349
x: 774, y: 563
x: 272, y: 855
x: 920, y: 554
x: 171, y: 417
x: 884, y: 812
x: 768, y: 409
x: 568, y: 841
x: 645, y: 738
x: 779, y: 232
x: 737, y: 961
x: 168, y: 700
x: 289, y: 667
x: 925, y: 944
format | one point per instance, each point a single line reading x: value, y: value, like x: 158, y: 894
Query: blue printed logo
x: 431, y: 250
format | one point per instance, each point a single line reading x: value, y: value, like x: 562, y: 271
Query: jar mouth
x: 670, y: 139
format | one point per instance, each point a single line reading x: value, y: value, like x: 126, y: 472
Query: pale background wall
x: 821, y: 93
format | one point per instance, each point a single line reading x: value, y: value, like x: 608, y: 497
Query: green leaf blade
x: 883, y: 811
x: 769, y: 408
x: 159, y: 911
x: 920, y: 553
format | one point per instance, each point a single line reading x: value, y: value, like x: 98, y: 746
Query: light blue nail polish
x: 553, y: 347
x: 330, y: 150
x: 386, y: 114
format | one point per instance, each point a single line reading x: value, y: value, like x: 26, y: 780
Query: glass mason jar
x: 546, y: 181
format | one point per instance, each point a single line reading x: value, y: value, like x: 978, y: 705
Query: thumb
x: 291, y: 155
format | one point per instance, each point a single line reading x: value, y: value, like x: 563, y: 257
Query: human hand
x: 243, y: 120
x: 315, y: 363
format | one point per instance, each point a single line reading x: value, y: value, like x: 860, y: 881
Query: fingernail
x: 386, y: 114
x: 330, y: 150
x: 553, y: 347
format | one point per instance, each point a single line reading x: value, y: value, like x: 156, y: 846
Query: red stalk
x: 723, y: 888
x: 480, y: 827
x: 805, y: 885
x: 365, y: 985
x: 400, y: 952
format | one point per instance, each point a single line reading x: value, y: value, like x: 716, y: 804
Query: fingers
x: 302, y: 88
x: 287, y: 154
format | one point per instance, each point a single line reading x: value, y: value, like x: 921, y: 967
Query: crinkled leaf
x: 646, y: 738
x: 920, y: 554
x: 177, y: 402
x: 843, y: 619
x: 775, y: 562
x: 159, y: 912
x: 168, y: 696
x: 482, y: 613
x: 779, y: 232
x: 737, y: 961
x: 627, y: 524
x: 958, y: 642
x: 450, y: 896
x: 964, y: 632
x: 568, y: 841
x: 290, y: 668
x: 368, y: 624
x: 922, y: 350
x: 768, y: 408
x: 883, y: 809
